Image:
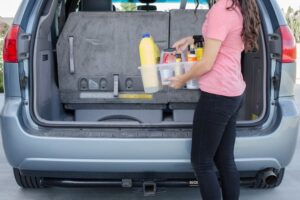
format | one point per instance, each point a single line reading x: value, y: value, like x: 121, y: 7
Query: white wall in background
x: 295, y: 4
x: 8, y: 8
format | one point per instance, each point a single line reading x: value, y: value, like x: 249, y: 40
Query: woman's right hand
x: 183, y: 43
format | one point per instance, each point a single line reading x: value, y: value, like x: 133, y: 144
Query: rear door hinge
x: 274, y: 44
x: 276, y: 81
x: 276, y: 84
x: 24, y: 46
x: 23, y: 81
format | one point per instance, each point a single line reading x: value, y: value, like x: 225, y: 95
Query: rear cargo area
x: 86, y: 72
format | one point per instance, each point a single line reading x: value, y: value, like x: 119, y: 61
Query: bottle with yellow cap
x: 199, y: 51
x: 191, y: 57
x: 199, y: 42
x: 178, y: 67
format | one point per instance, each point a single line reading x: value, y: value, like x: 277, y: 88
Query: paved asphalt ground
x: 9, y: 190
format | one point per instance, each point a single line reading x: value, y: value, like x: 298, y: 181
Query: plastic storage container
x: 158, y: 75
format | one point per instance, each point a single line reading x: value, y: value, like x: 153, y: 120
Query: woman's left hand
x: 177, y: 82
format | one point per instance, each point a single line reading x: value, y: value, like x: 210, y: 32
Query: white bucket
x: 155, y: 76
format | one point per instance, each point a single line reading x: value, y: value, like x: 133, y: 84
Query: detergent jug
x: 149, y: 56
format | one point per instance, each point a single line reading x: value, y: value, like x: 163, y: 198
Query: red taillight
x: 289, y: 49
x: 10, y: 51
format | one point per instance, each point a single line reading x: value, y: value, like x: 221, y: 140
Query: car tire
x: 27, y: 181
x: 261, y: 184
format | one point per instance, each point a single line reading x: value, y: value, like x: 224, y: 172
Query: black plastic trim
x: 119, y: 175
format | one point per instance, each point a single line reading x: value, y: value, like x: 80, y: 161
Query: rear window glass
x: 161, y: 5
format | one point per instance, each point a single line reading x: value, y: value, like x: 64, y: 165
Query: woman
x: 230, y: 27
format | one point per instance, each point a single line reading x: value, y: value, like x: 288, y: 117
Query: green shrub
x: 1, y: 66
x: 128, y: 6
x: 293, y: 20
x: 1, y: 82
x: 2, y: 35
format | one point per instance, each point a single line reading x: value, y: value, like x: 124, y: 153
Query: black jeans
x: 214, y: 133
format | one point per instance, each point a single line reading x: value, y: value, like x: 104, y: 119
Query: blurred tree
x: 1, y: 54
x: 3, y: 29
x: 293, y: 20
x: 128, y: 6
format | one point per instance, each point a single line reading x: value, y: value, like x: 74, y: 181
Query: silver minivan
x: 76, y: 114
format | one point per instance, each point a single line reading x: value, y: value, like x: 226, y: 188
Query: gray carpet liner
x: 104, y: 44
x: 185, y: 23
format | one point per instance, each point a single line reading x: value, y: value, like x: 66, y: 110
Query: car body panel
x: 28, y: 152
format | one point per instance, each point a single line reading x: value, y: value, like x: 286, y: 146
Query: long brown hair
x: 251, y: 24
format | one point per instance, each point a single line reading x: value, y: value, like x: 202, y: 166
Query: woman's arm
x: 211, y: 49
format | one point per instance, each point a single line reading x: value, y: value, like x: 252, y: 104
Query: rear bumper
x: 41, y: 153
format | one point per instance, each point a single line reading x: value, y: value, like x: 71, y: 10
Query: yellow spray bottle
x: 200, y: 49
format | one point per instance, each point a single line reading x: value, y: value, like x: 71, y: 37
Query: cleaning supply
x: 199, y: 43
x: 191, y: 57
x: 199, y: 50
x: 149, y: 56
x: 149, y: 51
x: 178, y: 68
x: 167, y: 56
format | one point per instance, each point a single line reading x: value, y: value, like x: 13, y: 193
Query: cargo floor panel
x: 138, y: 115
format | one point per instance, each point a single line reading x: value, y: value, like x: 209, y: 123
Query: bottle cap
x: 198, y: 38
x: 146, y: 35
x: 169, y: 50
x: 199, y: 45
x: 192, y: 47
x: 178, y: 55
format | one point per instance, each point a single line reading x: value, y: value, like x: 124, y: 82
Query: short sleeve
x: 218, y: 23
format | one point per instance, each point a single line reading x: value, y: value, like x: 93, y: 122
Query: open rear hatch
x: 87, y: 74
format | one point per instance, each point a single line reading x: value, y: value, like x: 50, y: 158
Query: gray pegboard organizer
x: 95, y: 57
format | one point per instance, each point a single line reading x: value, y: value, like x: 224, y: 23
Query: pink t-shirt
x: 225, y: 78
